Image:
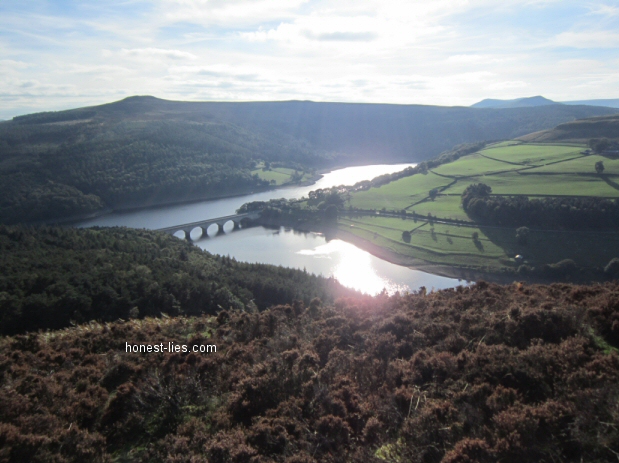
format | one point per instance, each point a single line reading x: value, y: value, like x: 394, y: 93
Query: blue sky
x: 64, y: 54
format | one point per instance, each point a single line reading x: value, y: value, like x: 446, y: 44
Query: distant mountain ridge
x: 355, y: 131
x: 542, y: 101
x: 527, y: 102
x: 609, y: 103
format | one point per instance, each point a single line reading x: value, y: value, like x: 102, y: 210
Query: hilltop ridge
x: 609, y: 103
x: 527, y: 102
x: 578, y: 131
x: 542, y: 101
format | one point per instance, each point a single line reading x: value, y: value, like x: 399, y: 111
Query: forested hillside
x: 54, y: 276
x: 482, y: 374
x: 142, y: 151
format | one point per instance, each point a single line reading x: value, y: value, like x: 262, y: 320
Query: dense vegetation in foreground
x: 143, y: 151
x: 53, y: 276
x: 479, y: 374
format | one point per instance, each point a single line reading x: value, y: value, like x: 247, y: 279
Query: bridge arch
x: 212, y: 229
x: 196, y: 233
x: 180, y: 234
x: 229, y: 226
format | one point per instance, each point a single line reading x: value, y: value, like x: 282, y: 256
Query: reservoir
x: 350, y: 265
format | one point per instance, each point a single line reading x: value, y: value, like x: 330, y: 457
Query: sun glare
x: 353, y: 268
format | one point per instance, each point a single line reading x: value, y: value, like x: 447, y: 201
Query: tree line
x: 551, y: 212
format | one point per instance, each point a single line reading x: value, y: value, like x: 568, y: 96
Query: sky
x: 64, y: 54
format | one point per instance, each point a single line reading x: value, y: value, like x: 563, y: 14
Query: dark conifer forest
x: 53, y: 277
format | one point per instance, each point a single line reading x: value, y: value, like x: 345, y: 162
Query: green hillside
x: 143, y: 151
x: 411, y: 225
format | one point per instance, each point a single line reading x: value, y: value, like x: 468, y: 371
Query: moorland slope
x: 480, y: 374
x: 609, y: 102
x: 579, y: 131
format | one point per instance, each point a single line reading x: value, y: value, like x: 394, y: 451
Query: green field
x: 581, y: 165
x: 447, y: 207
x: 531, y: 154
x: 515, y: 183
x: 400, y: 194
x: 280, y: 175
x: 509, y: 168
x: 474, y: 164
x: 440, y: 243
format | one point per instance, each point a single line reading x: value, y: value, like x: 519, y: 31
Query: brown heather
x: 481, y: 374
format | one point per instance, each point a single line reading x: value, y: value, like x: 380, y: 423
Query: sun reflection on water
x: 353, y: 268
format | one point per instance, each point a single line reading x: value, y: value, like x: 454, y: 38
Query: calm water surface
x: 351, y: 266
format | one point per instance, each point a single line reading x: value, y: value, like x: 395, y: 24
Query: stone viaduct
x: 239, y: 221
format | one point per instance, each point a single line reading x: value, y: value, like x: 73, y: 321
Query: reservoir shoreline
x: 179, y: 202
x: 341, y: 258
x: 129, y: 208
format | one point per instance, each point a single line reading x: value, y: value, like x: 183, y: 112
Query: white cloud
x: 586, y: 39
x: 229, y: 11
x: 475, y: 59
x: 215, y: 71
x: 372, y: 31
x: 10, y: 64
x: 157, y: 53
x: 97, y: 69
x: 604, y: 10
x: 509, y: 84
x: 33, y: 87
x: 342, y: 36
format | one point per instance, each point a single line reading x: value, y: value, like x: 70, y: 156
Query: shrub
x: 522, y: 235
